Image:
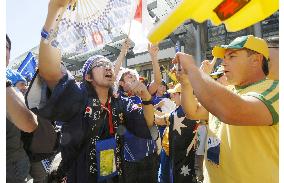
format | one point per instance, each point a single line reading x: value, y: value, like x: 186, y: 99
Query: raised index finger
x: 213, y: 61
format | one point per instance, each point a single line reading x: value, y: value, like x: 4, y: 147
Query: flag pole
x: 132, y: 13
x: 130, y: 20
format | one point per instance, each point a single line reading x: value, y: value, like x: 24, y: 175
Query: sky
x: 24, y: 21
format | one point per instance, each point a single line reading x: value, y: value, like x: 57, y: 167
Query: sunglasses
x: 217, y: 76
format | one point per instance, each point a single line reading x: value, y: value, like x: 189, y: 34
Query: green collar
x: 238, y: 88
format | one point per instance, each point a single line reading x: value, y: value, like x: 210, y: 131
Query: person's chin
x: 110, y: 83
x: 232, y: 82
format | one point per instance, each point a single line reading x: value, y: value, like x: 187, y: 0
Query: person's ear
x: 121, y: 83
x: 259, y: 58
x: 88, y: 77
x: 256, y: 59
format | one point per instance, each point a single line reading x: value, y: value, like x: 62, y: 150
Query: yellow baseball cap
x: 250, y: 42
x: 176, y: 89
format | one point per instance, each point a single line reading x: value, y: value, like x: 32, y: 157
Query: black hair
x: 123, y: 75
x: 91, y: 74
x: 90, y: 87
x: 9, y: 42
x: 120, y: 88
x: 265, y: 67
x: 165, y: 84
x: 146, y: 82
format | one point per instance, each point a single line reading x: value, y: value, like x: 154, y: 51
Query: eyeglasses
x: 104, y: 64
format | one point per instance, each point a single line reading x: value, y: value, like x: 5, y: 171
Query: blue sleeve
x: 167, y: 95
x: 180, y: 112
x: 134, y: 119
x: 65, y: 101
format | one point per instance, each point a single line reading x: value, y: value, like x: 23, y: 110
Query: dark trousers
x: 17, y: 171
x: 142, y: 171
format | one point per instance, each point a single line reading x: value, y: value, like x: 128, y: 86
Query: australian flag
x: 182, y: 154
x: 28, y: 66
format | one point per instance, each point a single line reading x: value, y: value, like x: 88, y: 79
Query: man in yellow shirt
x: 242, y: 143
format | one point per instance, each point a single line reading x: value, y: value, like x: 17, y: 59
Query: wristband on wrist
x: 44, y: 34
x: 149, y: 102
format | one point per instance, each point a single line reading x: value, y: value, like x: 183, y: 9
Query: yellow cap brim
x: 171, y: 91
x: 218, y: 52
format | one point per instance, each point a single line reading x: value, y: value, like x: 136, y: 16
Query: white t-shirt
x: 201, y: 139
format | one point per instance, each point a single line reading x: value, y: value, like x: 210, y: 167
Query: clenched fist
x: 139, y: 89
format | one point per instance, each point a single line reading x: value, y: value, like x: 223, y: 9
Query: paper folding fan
x: 90, y: 24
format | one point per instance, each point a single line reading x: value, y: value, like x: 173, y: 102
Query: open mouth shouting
x: 109, y: 76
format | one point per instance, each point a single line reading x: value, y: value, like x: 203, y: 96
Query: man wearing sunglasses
x: 94, y: 121
x: 242, y: 142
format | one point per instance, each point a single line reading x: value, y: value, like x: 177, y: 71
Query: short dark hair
x: 91, y: 90
x: 123, y: 75
x: 265, y: 68
x: 165, y: 84
x: 9, y: 41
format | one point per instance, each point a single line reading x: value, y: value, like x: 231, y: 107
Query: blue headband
x: 88, y: 64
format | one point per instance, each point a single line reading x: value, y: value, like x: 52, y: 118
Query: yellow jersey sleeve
x: 268, y: 93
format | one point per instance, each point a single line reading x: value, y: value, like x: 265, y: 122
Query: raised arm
x: 50, y: 57
x: 140, y: 90
x: 153, y: 51
x: 192, y: 108
x: 121, y: 56
x: 221, y: 102
x: 18, y: 113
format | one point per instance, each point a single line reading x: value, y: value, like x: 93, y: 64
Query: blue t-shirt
x: 68, y: 102
x: 156, y: 99
x: 136, y: 148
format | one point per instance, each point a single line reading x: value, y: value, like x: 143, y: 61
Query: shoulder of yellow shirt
x: 268, y: 92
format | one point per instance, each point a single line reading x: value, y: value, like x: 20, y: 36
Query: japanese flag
x: 140, y: 27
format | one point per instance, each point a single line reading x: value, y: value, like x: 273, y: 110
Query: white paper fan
x: 89, y: 24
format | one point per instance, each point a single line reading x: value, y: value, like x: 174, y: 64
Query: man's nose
x: 225, y: 61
